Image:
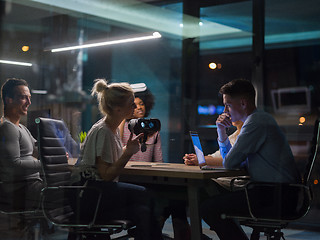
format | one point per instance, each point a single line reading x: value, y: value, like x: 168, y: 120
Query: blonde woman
x: 103, y: 157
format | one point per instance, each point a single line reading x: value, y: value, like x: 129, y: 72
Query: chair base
x: 27, y: 226
x: 88, y: 236
x: 270, y: 233
x: 95, y: 234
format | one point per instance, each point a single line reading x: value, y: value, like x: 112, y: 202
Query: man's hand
x: 190, y: 159
x: 223, y: 122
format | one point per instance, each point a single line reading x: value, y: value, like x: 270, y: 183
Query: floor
x: 290, y: 234
x: 9, y: 231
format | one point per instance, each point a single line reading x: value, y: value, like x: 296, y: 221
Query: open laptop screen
x: 197, y: 147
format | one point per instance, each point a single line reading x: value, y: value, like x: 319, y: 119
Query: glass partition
x: 182, y: 58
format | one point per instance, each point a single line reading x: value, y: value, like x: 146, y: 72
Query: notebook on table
x: 200, y: 156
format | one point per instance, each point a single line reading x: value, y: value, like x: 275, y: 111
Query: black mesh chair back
x: 51, y: 144
x: 56, y: 172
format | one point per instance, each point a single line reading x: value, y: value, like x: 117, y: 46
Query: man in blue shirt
x: 261, y: 148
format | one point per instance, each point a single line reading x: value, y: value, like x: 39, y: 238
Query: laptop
x: 198, y: 150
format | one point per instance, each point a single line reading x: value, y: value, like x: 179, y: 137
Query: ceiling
x: 288, y: 22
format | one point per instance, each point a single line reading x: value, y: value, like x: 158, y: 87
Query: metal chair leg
x: 274, y: 235
x: 72, y: 236
x: 255, y: 235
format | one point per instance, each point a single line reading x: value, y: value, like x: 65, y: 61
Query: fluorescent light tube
x: 16, y: 63
x: 41, y: 92
x: 113, y: 42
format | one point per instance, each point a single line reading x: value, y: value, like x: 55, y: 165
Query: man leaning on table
x: 261, y: 148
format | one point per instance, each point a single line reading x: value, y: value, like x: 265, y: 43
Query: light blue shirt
x: 263, y: 149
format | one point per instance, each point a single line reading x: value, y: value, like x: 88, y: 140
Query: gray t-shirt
x: 16, y: 154
x: 100, y: 142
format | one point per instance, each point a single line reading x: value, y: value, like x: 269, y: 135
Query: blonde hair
x: 110, y: 95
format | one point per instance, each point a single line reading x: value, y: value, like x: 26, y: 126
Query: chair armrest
x: 245, y: 180
x: 277, y: 196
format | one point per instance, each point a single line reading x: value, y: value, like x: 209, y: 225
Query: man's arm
x: 252, y: 137
x: 224, y: 147
x: 223, y: 122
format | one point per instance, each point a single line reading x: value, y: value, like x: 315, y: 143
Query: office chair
x: 60, y: 200
x: 272, y: 219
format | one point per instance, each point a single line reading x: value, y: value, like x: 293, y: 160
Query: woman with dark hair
x: 144, y: 103
x: 148, y: 100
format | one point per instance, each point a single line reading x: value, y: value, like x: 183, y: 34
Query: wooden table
x: 177, y: 175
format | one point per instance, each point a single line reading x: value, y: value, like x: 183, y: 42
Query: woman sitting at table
x: 214, y: 159
x: 144, y: 103
x: 102, y: 159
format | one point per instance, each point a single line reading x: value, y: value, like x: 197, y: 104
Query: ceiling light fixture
x: 25, y: 48
x: 41, y: 92
x: 113, y: 42
x: 16, y: 63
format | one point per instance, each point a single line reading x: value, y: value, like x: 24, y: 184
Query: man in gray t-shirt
x: 19, y: 169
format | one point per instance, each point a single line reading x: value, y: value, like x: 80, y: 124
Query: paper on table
x: 150, y: 165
